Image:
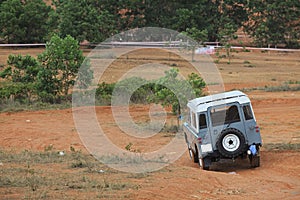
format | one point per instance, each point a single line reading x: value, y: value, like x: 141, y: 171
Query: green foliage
x: 10, y: 23
x: 128, y: 89
x: 126, y: 14
x: 171, y: 91
x: 61, y: 62
x: 275, y: 22
x: 49, y: 78
x: 15, y: 91
x: 227, y: 34
x: 197, y: 83
x: 167, y: 91
x: 84, y: 20
x: 21, y: 76
x: 128, y: 146
x: 35, y: 21
x: 24, y: 21
x: 201, y: 19
x: 22, y: 69
x: 84, y: 75
x: 268, y: 22
x: 198, y: 35
x: 104, y: 93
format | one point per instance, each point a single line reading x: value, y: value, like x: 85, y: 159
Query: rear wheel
x: 255, y: 159
x: 204, y: 163
x: 193, y: 155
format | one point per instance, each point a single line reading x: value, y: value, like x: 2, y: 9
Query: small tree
x: 167, y: 86
x: 61, y: 62
x: 227, y: 34
x: 198, y: 35
x: 20, y: 75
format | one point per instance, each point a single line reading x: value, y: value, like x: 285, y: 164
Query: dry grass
x: 282, y: 147
x: 48, y: 175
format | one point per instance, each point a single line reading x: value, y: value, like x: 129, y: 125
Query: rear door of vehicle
x: 223, y: 117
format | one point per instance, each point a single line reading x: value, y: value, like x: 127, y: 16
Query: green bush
x: 104, y: 92
x: 159, y: 91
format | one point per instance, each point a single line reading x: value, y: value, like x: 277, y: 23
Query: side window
x: 247, y: 112
x: 189, y: 117
x: 194, y: 120
x: 202, y: 121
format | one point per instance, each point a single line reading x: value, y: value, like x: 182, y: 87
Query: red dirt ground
x: 277, y: 113
x: 277, y: 178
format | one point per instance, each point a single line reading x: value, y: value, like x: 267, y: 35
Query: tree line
x: 266, y: 21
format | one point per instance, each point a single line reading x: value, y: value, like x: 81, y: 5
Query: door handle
x: 215, y: 131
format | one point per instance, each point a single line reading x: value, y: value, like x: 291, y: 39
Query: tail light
x: 199, y: 140
x: 257, y: 129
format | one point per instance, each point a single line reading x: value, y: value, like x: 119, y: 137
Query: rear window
x: 225, y: 115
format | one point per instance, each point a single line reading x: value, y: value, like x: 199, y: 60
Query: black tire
x: 255, y: 160
x: 193, y: 155
x: 231, y: 143
x: 204, y: 163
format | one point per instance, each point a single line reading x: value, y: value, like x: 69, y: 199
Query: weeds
x: 249, y: 65
x: 15, y: 106
x: 32, y: 179
x: 279, y: 88
x: 31, y: 157
x: 103, y: 55
x: 127, y: 160
x: 47, y: 175
x: 290, y: 82
x: 138, y: 175
x: 128, y: 146
x: 282, y: 147
x: 170, y: 130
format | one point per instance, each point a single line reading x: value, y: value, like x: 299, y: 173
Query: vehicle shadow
x: 228, y: 165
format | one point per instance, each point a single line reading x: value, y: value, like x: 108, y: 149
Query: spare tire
x: 231, y: 143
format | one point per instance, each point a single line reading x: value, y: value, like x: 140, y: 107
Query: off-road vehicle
x: 222, y: 126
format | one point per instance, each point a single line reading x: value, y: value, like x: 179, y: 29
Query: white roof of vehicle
x: 201, y: 104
